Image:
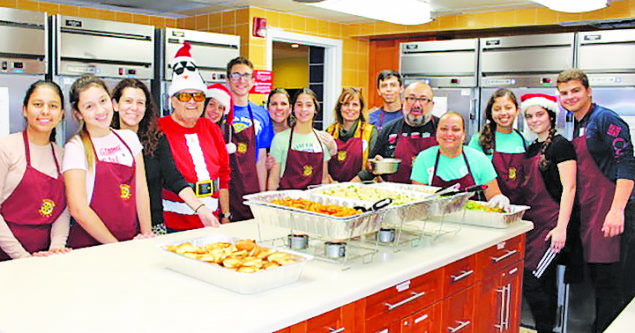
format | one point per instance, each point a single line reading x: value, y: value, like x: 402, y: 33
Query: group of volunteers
x: 129, y: 174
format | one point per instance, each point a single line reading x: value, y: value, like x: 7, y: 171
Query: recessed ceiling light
x: 573, y: 6
x: 406, y: 12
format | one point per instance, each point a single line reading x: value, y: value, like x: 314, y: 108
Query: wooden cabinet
x: 478, y: 293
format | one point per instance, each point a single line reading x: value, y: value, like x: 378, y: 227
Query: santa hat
x: 185, y: 73
x: 545, y: 101
x: 221, y: 94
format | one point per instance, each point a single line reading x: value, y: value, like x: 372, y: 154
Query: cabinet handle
x: 501, y: 315
x: 462, y: 325
x: 508, y: 305
x: 504, y: 256
x: 422, y: 318
x: 463, y: 275
x: 407, y: 300
x: 338, y: 330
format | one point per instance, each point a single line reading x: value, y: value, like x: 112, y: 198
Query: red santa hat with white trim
x: 185, y: 74
x: 545, y: 101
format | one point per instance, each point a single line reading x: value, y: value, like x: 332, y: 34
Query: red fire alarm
x: 259, y: 27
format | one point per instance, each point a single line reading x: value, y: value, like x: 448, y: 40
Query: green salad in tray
x: 370, y: 194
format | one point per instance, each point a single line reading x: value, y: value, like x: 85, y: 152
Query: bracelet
x: 198, y: 207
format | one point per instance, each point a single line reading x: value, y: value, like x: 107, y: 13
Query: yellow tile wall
x: 103, y: 14
x: 239, y: 22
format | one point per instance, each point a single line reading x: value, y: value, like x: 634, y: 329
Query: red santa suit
x: 200, y: 155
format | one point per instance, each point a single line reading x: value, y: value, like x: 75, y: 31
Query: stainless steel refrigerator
x: 450, y: 68
x: 211, y: 52
x: 107, y: 49
x: 23, y: 60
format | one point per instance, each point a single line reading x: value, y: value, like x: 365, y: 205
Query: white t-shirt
x: 108, y: 149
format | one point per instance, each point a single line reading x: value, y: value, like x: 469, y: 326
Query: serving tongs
x: 376, y: 206
x: 452, y: 190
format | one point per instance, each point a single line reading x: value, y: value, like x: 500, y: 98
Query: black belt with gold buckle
x: 204, y: 188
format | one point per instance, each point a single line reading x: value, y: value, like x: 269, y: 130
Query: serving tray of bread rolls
x: 238, y: 265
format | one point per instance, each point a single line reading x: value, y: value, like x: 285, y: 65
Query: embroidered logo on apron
x: 242, y: 147
x: 125, y: 191
x: 307, y: 170
x: 341, y: 155
x: 47, y: 207
x: 512, y: 173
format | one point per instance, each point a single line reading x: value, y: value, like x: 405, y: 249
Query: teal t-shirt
x: 505, y: 143
x: 452, y: 168
x: 301, y: 142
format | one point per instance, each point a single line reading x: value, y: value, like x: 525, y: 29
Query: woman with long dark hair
x: 135, y: 110
x: 33, y: 215
x: 503, y: 144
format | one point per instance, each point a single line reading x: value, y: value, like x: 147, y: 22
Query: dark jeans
x: 542, y: 296
x: 627, y: 254
x: 608, y: 299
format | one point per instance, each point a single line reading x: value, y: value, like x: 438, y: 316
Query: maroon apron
x: 348, y: 162
x: 464, y: 182
x: 406, y: 150
x: 509, y: 168
x: 302, y: 168
x: 543, y: 213
x: 113, y: 200
x: 34, y: 205
x: 595, y: 195
x: 244, y: 175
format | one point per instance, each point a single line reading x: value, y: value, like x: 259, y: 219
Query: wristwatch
x: 226, y: 215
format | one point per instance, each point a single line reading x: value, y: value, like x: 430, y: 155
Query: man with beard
x: 405, y: 137
x: 389, y: 88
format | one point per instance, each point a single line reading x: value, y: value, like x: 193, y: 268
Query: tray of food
x: 241, y: 266
x: 330, y: 217
x: 480, y: 214
x: 407, y: 204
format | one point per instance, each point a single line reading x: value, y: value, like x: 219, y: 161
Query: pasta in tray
x: 317, y: 207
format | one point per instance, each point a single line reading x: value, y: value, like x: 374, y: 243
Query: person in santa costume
x: 197, y: 146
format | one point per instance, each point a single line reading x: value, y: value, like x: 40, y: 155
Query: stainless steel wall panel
x: 14, y: 37
x: 543, y: 60
x: 606, y: 51
x: 441, y: 64
x: 104, y: 48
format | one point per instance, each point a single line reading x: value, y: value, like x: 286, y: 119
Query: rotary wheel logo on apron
x: 242, y: 148
x: 47, y: 207
x: 341, y: 155
x: 125, y: 191
x: 512, y: 173
x: 307, y: 170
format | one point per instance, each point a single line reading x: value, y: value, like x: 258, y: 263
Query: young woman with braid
x: 504, y: 145
x: 549, y: 187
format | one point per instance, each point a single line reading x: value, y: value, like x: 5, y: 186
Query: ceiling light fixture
x: 573, y: 6
x: 405, y: 12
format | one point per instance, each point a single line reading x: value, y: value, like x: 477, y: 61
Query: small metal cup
x: 298, y: 241
x: 335, y: 249
x: 386, y: 235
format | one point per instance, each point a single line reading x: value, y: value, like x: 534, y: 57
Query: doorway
x: 324, y: 56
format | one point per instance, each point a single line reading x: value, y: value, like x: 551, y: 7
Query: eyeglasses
x: 186, y: 96
x: 412, y: 100
x: 237, y: 76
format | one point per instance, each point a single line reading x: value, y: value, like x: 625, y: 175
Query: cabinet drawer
x: 458, y: 312
x: 405, y: 298
x: 500, y: 255
x: 427, y: 320
x: 326, y: 322
x: 459, y: 275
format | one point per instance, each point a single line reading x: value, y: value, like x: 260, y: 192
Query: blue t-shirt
x: 263, y: 126
x: 505, y: 143
x: 375, y: 117
x: 452, y: 168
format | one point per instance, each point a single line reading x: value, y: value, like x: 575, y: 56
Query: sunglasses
x: 186, y: 96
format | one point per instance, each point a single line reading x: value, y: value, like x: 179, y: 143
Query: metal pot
x: 386, y: 235
x: 335, y: 249
x: 385, y: 166
x: 298, y: 241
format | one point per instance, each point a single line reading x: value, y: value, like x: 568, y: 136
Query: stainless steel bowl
x: 385, y: 166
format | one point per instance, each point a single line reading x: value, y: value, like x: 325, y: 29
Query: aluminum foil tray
x: 486, y: 219
x: 420, y: 209
x: 243, y: 283
x: 328, y: 226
